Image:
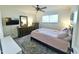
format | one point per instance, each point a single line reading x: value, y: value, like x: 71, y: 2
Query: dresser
x: 22, y: 31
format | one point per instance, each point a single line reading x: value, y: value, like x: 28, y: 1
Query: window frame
x: 49, y: 19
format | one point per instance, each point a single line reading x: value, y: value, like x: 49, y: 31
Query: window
x: 50, y: 18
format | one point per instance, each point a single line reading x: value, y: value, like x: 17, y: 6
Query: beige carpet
x: 33, y: 47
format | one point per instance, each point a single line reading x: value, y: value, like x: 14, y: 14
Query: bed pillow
x: 65, y: 29
x: 62, y: 34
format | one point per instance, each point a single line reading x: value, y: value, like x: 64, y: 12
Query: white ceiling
x: 30, y: 8
x: 49, y: 7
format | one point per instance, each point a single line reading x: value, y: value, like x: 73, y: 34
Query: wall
x: 48, y: 25
x: 14, y: 13
x: 64, y: 20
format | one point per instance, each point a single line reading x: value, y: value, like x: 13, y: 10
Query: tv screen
x: 12, y: 22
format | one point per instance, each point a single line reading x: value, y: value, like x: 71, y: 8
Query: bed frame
x: 53, y: 48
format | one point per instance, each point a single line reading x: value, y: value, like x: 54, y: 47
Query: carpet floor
x: 32, y: 47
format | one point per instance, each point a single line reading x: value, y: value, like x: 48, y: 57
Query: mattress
x: 50, y: 39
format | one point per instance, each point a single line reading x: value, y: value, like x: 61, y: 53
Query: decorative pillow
x: 65, y: 29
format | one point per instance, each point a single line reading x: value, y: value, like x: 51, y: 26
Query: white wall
x: 14, y: 12
x: 64, y: 20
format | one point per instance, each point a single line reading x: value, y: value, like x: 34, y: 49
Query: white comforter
x: 49, y: 32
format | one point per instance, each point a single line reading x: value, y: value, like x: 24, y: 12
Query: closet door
x: 1, y: 27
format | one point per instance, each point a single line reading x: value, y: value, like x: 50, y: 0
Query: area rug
x: 32, y: 47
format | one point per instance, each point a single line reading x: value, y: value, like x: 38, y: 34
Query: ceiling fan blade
x: 35, y: 7
x: 42, y: 10
x: 43, y: 7
x: 39, y: 9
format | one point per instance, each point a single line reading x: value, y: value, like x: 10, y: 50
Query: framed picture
x: 23, y: 21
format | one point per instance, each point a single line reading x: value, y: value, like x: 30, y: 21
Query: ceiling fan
x: 38, y: 8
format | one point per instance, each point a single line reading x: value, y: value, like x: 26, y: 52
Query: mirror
x: 23, y: 21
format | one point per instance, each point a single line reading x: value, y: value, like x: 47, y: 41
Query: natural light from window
x: 50, y: 18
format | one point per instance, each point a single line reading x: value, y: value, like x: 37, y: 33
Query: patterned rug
x: 32, y: 47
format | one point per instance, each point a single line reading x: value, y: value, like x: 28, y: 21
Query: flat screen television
x: 12, y: 22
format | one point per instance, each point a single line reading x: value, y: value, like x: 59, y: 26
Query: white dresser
x: 9, y: 46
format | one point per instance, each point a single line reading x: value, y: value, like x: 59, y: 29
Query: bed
x: 54, y: 38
